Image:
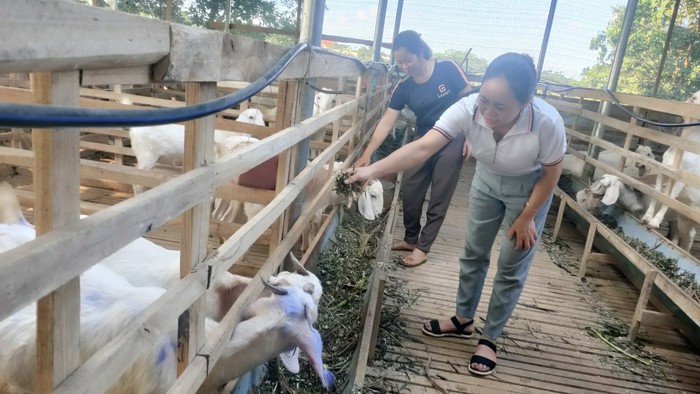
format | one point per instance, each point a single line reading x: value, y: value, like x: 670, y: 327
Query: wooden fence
x: 77, y: 50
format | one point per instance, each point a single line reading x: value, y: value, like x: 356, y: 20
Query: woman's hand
x: 525, y: 232
x: 364, y: 160
x: 361, y: 174
x: 465, y: 151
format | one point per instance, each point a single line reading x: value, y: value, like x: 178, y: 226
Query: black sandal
x: 483, y: 360
x: 460, y: 329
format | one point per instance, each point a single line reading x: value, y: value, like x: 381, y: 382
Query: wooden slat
x: 644, y: 294
x: 206, y: 55
x: 199, y: 151
x: 68, y: 36
x: 140, y: 75
x: 57, y: 189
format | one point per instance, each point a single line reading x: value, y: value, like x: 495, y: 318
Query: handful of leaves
x: 341, y: 188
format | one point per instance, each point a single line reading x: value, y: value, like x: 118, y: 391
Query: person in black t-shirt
x: 429, y: 88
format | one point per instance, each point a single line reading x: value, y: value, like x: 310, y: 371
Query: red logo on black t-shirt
x: 442, y: 88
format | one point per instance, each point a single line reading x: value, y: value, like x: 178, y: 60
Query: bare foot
x: 416, y: 258
x: 403, y: 245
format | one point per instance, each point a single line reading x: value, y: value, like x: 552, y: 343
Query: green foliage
x: 476, y: 64
x: 549, y: 76
x: 681, y: 73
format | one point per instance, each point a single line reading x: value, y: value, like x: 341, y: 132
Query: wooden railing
x: 77, y: 46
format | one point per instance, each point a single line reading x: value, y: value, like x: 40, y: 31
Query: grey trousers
x: 496, y: 200
x: 441, y: 173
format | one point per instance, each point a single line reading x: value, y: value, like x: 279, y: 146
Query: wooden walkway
x: 546, y: 346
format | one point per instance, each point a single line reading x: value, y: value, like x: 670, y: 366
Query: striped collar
x: 523, y: 125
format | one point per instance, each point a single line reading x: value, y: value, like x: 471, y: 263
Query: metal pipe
x: 599, y: 130
x: 227, y: 19
x: 669, y: 34
x: 311, y: 32
x: 379, y: 30
x: 397, y: 27
x: 545, y: 39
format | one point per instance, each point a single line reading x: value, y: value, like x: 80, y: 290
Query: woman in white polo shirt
x: 518, y: 141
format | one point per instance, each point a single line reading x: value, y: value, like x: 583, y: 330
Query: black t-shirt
x: 430, y: 99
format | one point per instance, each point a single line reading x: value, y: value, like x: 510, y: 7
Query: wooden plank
x: 659, y: 319
x: 91, y: 169
x: 657, y: 104
x: 140, y: 75
x: 57, y: 189
x: 68, y: 36
x: 199, y: 151
x: 38, y: 267
x: 106, y: 366
x: 206, y: 55
x: 246, y: 158
x: 592, y: 229
x: 601, y: 258
x: 560, y: 217
x: 644, y: 294
x: 670, y: 170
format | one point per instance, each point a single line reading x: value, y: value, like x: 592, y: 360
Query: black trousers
x: 441, y: 173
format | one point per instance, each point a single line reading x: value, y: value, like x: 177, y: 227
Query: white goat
x: 574, y: 166
x: 371, y: 201
x: 322, y: 102
x: 166, y: 143
x: 108, y: 306
x: 690, y: 163
x: 612, y: 190
x: 109, y: 303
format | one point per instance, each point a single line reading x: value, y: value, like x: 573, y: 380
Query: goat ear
x: 611, y: 194
x: 273, y: 289
x: 309, y: 288
x: 298, y: 267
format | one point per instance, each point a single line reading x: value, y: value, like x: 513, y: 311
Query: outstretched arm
x: 404, y: 158
x: 385, y: 126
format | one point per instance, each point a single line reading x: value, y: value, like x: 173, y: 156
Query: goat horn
x: 298, y: 266
x: 273, y: 289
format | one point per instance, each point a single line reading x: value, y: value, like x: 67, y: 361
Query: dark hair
x: 411, y: 41
x: 518, y: 69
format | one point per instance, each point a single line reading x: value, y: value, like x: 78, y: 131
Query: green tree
x: 681, y: 73
x: 155, y: 9
x: 476, y: 64
x: 549, y: 76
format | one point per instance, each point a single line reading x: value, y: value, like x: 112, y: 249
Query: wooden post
x: 641, y: 304
x: 587, y: 248
x: 560, y: 216
x: 287, y: 92
x: 57, y: 190
x: 199, y: 152
x: 628, y: 142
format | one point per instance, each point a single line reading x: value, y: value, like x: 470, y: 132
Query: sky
x: 489, y: 27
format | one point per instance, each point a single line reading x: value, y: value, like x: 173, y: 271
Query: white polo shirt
x: 537, y: 138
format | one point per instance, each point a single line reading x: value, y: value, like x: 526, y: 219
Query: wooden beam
x: 38, y: 267
x: 592, y: 229
x: 207, y: 55
x: 657, y: 104
x: 601, y: 258
x: 199, y: 151
x: 138, y: 75
x: 641, y: 304
x: 218, y: 25
x: 659, y: 319
x: 560, y: 218
x: 47, y: 35
x: 57, y: 203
